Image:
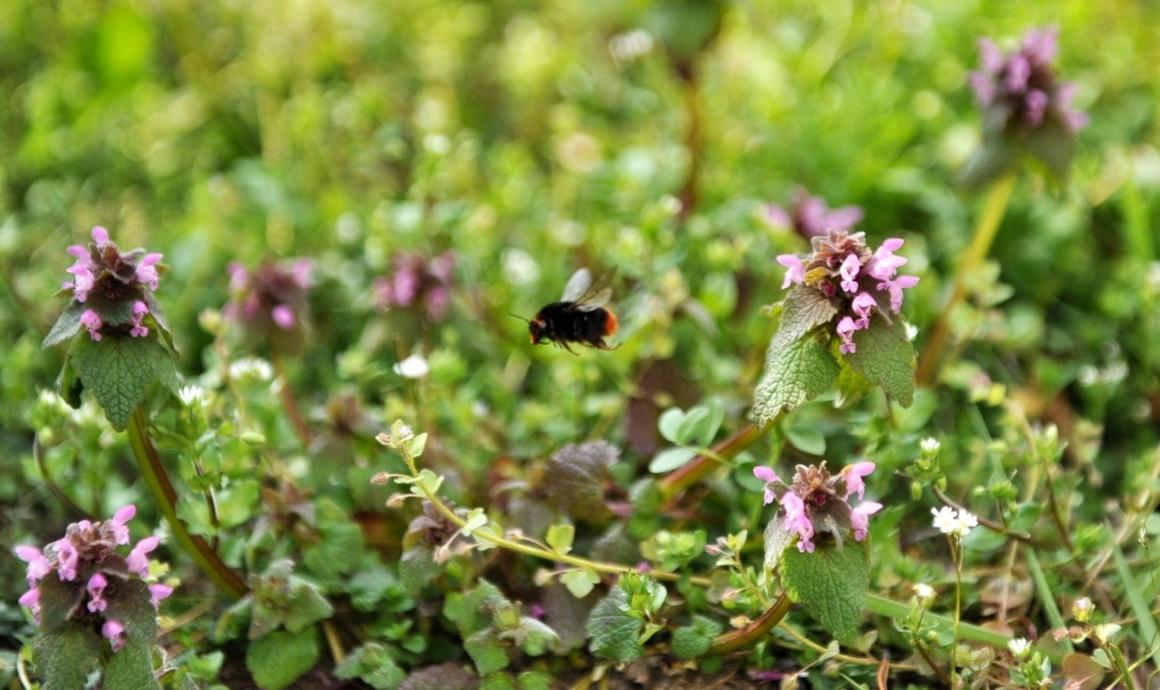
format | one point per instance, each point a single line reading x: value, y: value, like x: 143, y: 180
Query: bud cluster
x: 817, y: 500
x: 116, y: 287
x: 853, y: 277
x: 87, y: 559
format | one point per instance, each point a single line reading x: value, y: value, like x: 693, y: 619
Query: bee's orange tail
x: 610, y: 325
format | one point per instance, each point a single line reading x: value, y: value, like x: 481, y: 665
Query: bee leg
x: 564, y: 344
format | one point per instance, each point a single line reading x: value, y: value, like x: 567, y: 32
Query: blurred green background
x: 535, y: 137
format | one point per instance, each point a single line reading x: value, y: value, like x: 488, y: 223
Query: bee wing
x: 594, y: 299
x: 577, y: 285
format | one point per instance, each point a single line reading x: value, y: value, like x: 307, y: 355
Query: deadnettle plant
x: 1025, y: 105
x: 83, y: 580
x: 418, y: 281
x: 857, y: 281
x: 120, y: 341
x: 810, y: 217
x: 816, y: 501
x: 270, y: 303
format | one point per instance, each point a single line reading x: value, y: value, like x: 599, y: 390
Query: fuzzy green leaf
x: 132, y: 666
x: 66, y: 658
x: 614, y: 631
x: 803, y: 310
x: 469, y: 610
x: 487, y: 651
x: 831, y: 584
x: 417, y: 567
x: 794, y: 373
x: 886, y: 358
x: 693, y: 641
x: 280, y: 658
x: 68, y: 325
x: 306, y: 607
x: 336, y: 553
x: 373, y: 664
x: 777, y: 539
x: 118, y: 370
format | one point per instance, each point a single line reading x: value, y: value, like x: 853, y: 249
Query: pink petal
x: 126, y: 514
x: 100, y: 236
x: 765, y: 474
x: 283, y: 316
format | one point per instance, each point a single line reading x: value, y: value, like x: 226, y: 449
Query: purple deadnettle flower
x: 418, y: 281
x: 115, y: 287
x: 88, y: 559
x: 819, y: 501
x: 1020, y: 90
x: 858, y: 281
x: 271, y: 301
x: 810, y: 217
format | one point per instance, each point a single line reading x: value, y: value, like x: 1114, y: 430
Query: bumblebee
x: 580, y: 316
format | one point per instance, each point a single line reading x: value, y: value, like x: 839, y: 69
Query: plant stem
x: 290, y: 404
x: 694, y: 138
x: 736, y: 639
x: 876, y: 603
x: 697, y: 468
x: 149, y: 462
x: 1046, y: 596
x: 535, y: 551
x: 957, y: 553
x: 994, y: 206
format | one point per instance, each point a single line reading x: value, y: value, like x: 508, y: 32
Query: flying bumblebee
x: 579, y: 317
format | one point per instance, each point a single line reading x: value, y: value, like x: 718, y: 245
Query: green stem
x: 1046, y: 596
x: 737, y: 639
x: 876, y: 603
x: 702, y: 465
x: 994, y: 206
x: 541, y: 553
x: 957, y: 551
x: 155, y: 476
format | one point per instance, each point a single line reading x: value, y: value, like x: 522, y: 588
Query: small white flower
x: 1105, y: 632
x: 1019, y: 647
x: 413, y: 367
x: 192, y: 396
x: 911, y: 331
x: 924, y: 592
x: 630, y: 45
x: 251, y: 367
x: 1081, y: 609
x: 930, y: 445
x: 953, y: 522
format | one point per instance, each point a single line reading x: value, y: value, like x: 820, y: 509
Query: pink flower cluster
x: 103, y: 270
x: 270, y: 295
x: 1021, y: 89
x: 418, y: 280
x: 844, y: 269
x: 810, y: 217
x: 87, y: 556
x: 816, y: 499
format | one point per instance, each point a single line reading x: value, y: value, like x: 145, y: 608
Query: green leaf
x: 65, y: 658
x: 370, y: 586
x: 468, y: 610
x: 417, y: 567
x: 803, y: 310
x: 68, y: 325
x: 534, y: 637
x: 1145, y: 621
x: 337, y: 551
x: 1054, y: 145
x: 560, y: 537
x: 613, y: 630
x: 693, y: 641
x: 132, y: 666
x: 807, y: 439
x: 777, y: 539
x: 993, y: 158
x: 794, y: 373
x: 831, y: 584
x: 118, y: 370
x: 475, y: 519
x: 580, y: 582
x: 534, y: 680
x: 306, y: 606
x: 498, y: 681
x: 670, y: 459
x: 486, y: 651
x: 280, y: 658
x: 58, y: 600
x: 669, y: 424
x: 886, y: 358
x: 373, y: 664
x: 237, y: 503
